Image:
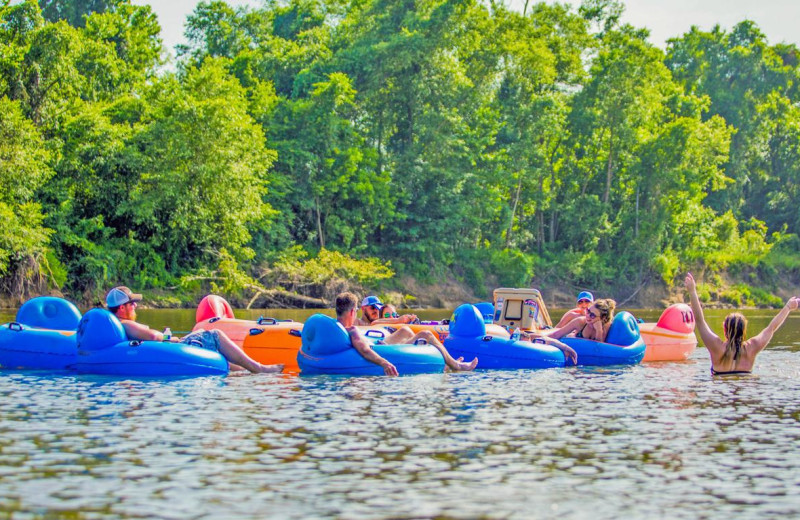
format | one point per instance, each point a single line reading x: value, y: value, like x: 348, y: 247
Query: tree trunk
x: 609, y: 168
x: 514, y: 211
x: 319, y: 223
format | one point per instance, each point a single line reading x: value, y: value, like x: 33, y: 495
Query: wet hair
x: 345, y: 302
x: 605, y: 308
x: 735, y: 328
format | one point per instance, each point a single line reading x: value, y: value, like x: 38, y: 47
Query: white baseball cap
x: 120, y: 296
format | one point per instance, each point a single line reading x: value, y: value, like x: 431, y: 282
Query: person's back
x: 734, y: 354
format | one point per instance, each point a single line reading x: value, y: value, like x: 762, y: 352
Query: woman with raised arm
x: 734, y: 354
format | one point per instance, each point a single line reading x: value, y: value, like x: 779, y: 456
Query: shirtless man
x: 585, y: 299
x: 371, y: 308
x: 122, y: 303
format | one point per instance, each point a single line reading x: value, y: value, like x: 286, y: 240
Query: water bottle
x: 167, y: 334
x: 515, y: 335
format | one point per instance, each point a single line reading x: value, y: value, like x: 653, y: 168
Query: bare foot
x: 465, y: 367
x: 270, y: 369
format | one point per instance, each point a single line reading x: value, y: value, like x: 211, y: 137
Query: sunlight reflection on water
x: 647, y: 441
x: 652, y: 441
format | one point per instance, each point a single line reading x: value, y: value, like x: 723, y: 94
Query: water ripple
x: 655, y: 440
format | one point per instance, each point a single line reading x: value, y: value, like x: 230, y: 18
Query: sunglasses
x: 391, y: 315
x: 591, y: 314
x: 584, y: 301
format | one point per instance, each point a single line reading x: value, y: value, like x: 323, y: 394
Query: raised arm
x: 763, y: 338
x: 710, y: 340
x: 364, y: 348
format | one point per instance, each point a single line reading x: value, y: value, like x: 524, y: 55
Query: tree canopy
x: 444, y: 138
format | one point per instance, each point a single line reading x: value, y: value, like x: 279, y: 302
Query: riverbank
x: 451, y: 293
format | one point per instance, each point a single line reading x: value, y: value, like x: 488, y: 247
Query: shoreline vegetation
x: 425, y: 151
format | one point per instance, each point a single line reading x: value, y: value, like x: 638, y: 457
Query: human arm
x: 403, y: 319
x: 138, y: 331
x: 557, y: 333
x: 368, y: 353
x: 763, y: 338
x: 568, y: 317
x: 569, y: 352
x: 595, y: 330
x: 712, y: 342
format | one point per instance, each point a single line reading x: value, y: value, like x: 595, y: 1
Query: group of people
x: 590, y: 319
x: 734, y: 353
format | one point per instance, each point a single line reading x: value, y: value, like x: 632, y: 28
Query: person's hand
x: 793, y: 303
x: 409, y: 318
x: 570, y: 354
x: 690, y: 284
x: 389, y: 369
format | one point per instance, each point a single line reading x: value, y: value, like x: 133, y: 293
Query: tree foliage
x: 448, y: 138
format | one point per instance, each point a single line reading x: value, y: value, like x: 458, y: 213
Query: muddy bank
x: 447, y: 294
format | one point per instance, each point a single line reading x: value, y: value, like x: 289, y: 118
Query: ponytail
x: 735, y: 327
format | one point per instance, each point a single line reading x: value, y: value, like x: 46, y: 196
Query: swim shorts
x: 203, y: 338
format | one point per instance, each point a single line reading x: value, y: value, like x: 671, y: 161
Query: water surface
x: 660, y: 440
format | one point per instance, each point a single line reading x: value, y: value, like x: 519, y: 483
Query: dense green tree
x: 23, y: 169
x: 203, y: 166
x: 74, y: 12
x: 454, y: 138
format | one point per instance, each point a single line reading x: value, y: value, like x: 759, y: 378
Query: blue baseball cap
x: 372, y: 300
x: 586, y: 295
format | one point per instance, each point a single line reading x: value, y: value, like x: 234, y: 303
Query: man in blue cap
x: 585, y: 299
x: 371, y: 311
x: 371, y: 307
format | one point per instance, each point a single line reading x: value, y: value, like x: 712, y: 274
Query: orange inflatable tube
x: 672, y: 337
x: 266, y: 340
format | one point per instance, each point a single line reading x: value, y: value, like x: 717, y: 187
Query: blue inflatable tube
x: 103, y: 348
x: 42, y: 337
x: 623, y: 346
x: 326, y: 349
x: 23, y: 347
x: 49, y: 312
x: 468, y: 339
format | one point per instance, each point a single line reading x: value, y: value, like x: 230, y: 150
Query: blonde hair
x: 606, y: 308
x: 735, y: 328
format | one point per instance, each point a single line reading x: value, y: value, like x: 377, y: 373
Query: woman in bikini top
x: 594, y: 326
x: 734, y: 354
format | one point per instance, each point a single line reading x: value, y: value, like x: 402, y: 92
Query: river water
x: 659, y: 440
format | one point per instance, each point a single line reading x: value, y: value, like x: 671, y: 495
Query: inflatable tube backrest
x: 487, y: 310
x: 213, y: 306
x: 323, y: 335
x: 99, y: 329
x: 48, y: 312
x: 678, y: 317
x: 467, y: 321
x: 624, y: 330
